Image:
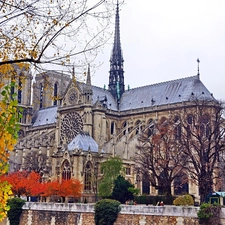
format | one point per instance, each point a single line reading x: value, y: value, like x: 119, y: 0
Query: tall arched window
x: 181, y: 184
x: 20, y: 89
x: 55, y: 94
x: 163, y: 126
x: 41, y: 95
x: 124, y: 127
x: 145, y: 184
x: 205, y: 126
x: 177, y: 128
x: 161, y: 183
x: 112, y: 127
x: 138, y: 127
x: 66, y: 170
x: 150, y: 127
x: 87, y: 178
x: 138, y: 180
x: 189, y: 124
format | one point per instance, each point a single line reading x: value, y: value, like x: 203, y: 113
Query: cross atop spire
x: 198, y: 61
x: 116, y: 78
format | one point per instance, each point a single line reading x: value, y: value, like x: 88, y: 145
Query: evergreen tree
x: 121, y: 191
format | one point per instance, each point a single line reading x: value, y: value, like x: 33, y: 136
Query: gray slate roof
x: 83, y: 141
x: 99, y: 94
x: 170, y: 92
x: 174, y: 91
x: 45, y: 116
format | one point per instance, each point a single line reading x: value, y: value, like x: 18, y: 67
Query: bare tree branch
x: 53, y: 32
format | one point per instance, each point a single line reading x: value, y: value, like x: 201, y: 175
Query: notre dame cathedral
x: 68, y: 127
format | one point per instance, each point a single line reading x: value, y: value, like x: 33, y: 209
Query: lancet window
x: 55, y: 94
x: 88, y: 177
x: 20, y: 89
x: 41, y: 95
x: 66, y: 171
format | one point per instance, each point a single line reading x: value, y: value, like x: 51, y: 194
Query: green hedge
x: 152, y: 200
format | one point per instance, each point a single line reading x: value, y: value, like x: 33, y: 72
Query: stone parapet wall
x: 83, y: 214
x: 185, y: 211
x: 60, y: 218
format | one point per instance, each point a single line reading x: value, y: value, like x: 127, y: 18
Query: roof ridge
x: 49, y: 107
x: 104, y: 89
x: 165, y: 82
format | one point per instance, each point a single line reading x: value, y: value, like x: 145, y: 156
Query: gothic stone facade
x: 72, y: 135
x: 71, y: 127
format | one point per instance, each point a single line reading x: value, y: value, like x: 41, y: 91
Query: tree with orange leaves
x: 34, y: 187
x: 25, y: 183
x: 72, y: 187
x: 29, y: 184
x: 66, y: 188
x: 52, y: 188
x: 18, y: 182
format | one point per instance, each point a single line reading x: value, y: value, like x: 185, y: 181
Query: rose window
x: 72, y: 96
x: 71, y: 126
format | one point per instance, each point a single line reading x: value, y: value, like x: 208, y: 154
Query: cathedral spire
x: 88, y: 81
x: 116, y: 77
x: 88, y: 89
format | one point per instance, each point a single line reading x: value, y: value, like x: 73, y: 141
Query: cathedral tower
x: 116, y: 77
x: 48, y: 89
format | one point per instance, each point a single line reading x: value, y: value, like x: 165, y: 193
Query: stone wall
x: 68, y: 218
x: 83, y: 214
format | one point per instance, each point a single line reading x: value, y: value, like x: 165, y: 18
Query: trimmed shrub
x: 184, y: 200
x: 209, y: 214
x: 16, y: 205
x: 106, y: 211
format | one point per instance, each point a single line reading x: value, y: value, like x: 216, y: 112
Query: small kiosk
x: 216, y: 197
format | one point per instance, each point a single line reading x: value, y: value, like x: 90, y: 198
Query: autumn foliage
x: 9, y: 115
x: 17, y: 181
x: 32, y: 31
x: 8, y: 126
x: 72, y: 187
x: 29, y: 184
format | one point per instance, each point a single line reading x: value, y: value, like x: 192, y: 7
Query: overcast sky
x: 162, y: 39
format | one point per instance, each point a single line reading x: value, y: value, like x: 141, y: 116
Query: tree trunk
x: 205, y: 186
